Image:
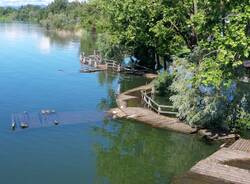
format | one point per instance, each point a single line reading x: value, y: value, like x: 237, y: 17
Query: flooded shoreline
x: 41, y: 71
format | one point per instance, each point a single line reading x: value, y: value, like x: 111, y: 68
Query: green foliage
x: 58, y: 6
x: 241, y: 122
x: 60, y: 14
x: 162, y: 84
x: 221, y: 105
x: 108, y: 49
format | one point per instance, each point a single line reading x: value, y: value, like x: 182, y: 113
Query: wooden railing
x: 112, y: 64
x: 91, y: 60
x: 160, y: 109
x: 95, y: 60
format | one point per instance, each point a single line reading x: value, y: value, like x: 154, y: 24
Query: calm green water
x: 41, y: 70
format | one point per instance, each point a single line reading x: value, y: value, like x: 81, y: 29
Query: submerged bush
x: 162, y: 84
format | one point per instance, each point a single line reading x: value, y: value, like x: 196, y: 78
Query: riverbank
x: 147, y: 116
x: 64, y: 33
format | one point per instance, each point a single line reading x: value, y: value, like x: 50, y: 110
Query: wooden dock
x: 97, y: 63
x: 53, y: 118
x: 228, y: 165
x: 146, y: 115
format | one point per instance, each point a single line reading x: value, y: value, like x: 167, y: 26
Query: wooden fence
x: 160, y: 109
x: 112, y: 64
x: 95, y: 60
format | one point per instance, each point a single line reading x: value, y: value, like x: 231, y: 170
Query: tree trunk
x: 157, y: 62
x: 165, y: 64
x: 167, y: 59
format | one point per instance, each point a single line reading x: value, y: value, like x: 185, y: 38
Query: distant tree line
x: 60, y: 14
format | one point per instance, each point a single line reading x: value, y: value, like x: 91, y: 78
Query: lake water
x: 40, y: 70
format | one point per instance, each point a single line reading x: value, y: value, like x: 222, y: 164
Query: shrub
x: 162, y: 84
x: 207, y: 105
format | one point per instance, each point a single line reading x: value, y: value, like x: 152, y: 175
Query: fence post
x: 159, y: 109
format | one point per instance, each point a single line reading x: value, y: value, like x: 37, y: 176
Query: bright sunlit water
x: 40, y: 70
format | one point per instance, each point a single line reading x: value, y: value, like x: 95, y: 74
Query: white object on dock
x: 56, y: 122
x: 24, y: 125
x: 43, y: 111
x: 13, y: 125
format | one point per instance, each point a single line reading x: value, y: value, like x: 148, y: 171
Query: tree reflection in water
x: 134, y: 153
x: 115, y: 84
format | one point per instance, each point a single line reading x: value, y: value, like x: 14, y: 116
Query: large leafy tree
x: 223, y: 45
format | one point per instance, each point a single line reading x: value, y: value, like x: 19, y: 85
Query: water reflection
x: 19, y: 32
x: 140, y: 154
x: 44, y: 45
x: 116, y: 84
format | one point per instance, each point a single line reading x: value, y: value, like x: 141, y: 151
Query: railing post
x: 159, y: 109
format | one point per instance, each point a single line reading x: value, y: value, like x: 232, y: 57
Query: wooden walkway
x: 228, y: 165
x: 145, y: 115
x: 98, y: 63
x: 152, y: 104
x: 242, y: 145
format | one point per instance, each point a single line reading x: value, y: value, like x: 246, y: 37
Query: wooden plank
x: 217, y: 166
x: 242, y: 145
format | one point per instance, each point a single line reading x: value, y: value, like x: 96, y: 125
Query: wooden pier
x: 146, y: 115
x: 228, y: 165
x: 97, y: 63
x: 48, y: 118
